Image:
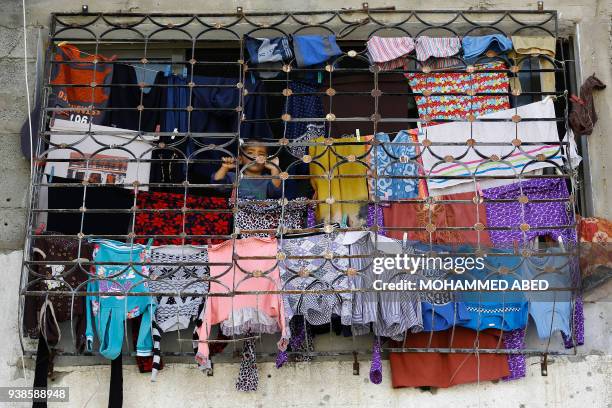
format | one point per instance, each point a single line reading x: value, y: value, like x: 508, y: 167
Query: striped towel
x: 384, y: 49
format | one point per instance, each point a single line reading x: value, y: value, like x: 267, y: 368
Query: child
x: 250, y: 188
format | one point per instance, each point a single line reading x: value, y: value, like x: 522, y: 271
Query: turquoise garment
x: 504, y: 310
x: 108, y: 313
x: 396, y: 160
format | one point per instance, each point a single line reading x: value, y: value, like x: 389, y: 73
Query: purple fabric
x: 310, y: 217
x: 281, y: 359
x: 548, y: 214
x: 376, y: 367
x: 373, y: 214
x: 515, y: 340
x: 370, y: 222
x: 298, y: 340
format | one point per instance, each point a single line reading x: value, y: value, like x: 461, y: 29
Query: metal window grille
x: 211, y: 43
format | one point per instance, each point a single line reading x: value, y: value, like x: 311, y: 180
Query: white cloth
x: 541, y: 132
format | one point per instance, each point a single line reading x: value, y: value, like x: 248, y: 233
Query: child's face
x: 249, y: 154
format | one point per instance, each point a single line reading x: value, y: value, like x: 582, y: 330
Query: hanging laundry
x: 475, y: 46
x: 517, y: 363
x: 314, y: 49
x: 376, y: 366
x: 445, y: 370
x: 337, y: 161
x: 551, y: 311
x: 465, y: 213
x: 127, y: 96
x: 42, y: 314
x: 595, y: 236
x: 388, y: 52
x: 248, y: 376
x: 209, y: 220
x: 397, y: 158
x: 392, y: 313
x: 242, y: 314
x: 106, y: 314
x: 269, y: 214
x: 512, y: 158
x: 513, y: 214
x: 107, y: 198
x: 453, y: 107
x: 80, y: 70
x: 302, y: 103
x: 528, y: 50
x: 176, y: 312
x: 262, y: 50
x: 583, y: 115
x: 436, y: 47
x: 441, y: 311
x: 502, y: 310
x: 307, y: 265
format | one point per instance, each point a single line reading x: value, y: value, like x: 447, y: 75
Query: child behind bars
x: 251, y: 188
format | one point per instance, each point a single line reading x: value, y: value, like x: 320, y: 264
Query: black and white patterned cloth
x: 267, y: 214
x: 176, y: 312
x: 248, y: 376
x: 325, y: 270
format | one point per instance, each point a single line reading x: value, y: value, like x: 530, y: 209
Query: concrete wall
x: 579, y: 381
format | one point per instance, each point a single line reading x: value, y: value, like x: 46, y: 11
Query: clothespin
x: 184, y: 72
x: 319, y: 77
x: 62, y: 43
x: 174, y: 133
x: 167, y: 70
x: 344, y: 222
x: 404, y: 240
x: 479, y: 189
x: 40, y: 228
x: 358, y: 134
x: 420, y: 128
x: 561, y: 245
x: 252, y: 78
x: 52, y: 173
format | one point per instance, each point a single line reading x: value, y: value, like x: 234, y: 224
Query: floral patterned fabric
x: 445, y: 107
x: 171, y: 222
x: 595, y: 236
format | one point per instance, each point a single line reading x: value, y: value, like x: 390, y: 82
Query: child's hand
x: 272, y: 164
x: 228, y: 163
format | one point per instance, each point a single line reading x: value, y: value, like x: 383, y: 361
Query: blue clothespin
x: 167, y: 70
x: 184, y: 72
x: 344, y: 222
x: 52, y: 173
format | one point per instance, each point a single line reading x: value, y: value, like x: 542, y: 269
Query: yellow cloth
x: 332, y: 160
x: 526, y: 46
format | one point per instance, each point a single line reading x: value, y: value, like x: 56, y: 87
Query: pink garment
x: 244, y: 313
